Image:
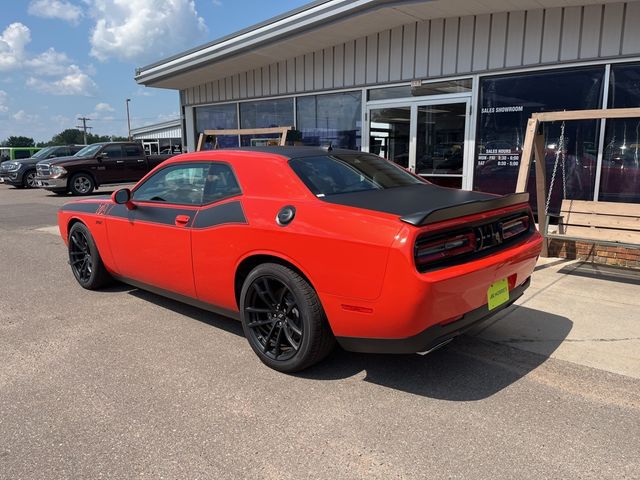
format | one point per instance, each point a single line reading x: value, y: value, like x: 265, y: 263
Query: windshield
x: 335, y: 174
x: 89, y: 150
x: 44, y: 153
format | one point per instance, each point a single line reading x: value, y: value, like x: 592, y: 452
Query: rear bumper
x: 432, y: 336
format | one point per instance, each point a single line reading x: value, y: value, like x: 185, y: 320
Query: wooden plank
x: 538, y: 149
x: 525, y: 160
x: 248, y: 131
x: 600, y: 208
x: 603, y: 234
x: 200, y: 142
x: 604, y: 221
x: 587, y: 114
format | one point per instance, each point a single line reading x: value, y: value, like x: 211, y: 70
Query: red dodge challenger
x: 308, y: 246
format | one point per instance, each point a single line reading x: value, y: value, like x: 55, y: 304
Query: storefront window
x: 620, y: 178
x: 265, y: 114
x: 330, y: 119
x: 217, y: 117
x: 507, y: 102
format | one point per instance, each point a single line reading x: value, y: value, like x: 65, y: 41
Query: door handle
x: 119, y: 161
x: 182, y: 220
x: 140, y: 161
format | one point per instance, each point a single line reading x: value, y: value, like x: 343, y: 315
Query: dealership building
x: 442, y: 87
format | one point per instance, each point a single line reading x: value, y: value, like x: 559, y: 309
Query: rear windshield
x: 334, y: 174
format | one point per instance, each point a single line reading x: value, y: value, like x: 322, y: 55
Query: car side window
x: 181, y: 184
x: 112, y: 151
x: 220, y: 183
x: 132, y: 151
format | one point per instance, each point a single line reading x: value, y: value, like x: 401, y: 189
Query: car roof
x: 286, y: 152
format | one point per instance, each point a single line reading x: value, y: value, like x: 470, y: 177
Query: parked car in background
x: 16, y: 153
x: 22, y: 173
x: 308, y: 246
x: 95, y: 165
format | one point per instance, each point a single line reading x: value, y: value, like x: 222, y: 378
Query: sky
x: 64, y: 59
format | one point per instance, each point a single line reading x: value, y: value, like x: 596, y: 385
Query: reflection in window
x: 330, y: 119
x: 440, y: 145
x: 620, y: 178
x: 218, y: 117
x: 179, y: 184
x: 507, y: 102
x: 265, y: 114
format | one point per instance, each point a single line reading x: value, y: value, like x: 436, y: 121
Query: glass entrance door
x: 428, y: 138
x: 390, y: 133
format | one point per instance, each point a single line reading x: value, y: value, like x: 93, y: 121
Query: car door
x: 135, y: 162
x: 110, y: 166
x: 151, y: 244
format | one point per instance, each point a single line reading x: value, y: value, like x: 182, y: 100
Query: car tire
x: 85, y: 260
x: 82, y: 184
x: 29, y: 179
x: 283, y: 319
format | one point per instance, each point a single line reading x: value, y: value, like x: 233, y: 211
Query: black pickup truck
x: 95, y: 165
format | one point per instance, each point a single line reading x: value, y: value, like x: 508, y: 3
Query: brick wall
x: 605, y: 254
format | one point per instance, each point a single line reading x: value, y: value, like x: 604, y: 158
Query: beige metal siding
x: 443, y: 47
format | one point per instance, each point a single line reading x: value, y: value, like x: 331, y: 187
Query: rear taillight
x: 444, y: 247
x: 514, y: 227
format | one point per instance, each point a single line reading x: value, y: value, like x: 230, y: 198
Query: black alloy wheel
x: 29, y: 179
x: 283, y: 319
x: 81, y: 184
x: 85, y: 260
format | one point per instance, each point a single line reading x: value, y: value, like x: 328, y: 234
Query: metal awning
x: 315, y: 26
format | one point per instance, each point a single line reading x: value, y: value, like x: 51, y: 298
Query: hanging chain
x: 559, y: 151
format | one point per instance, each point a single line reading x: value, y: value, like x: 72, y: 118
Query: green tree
x: 18, y: 141
x: 70, y: 136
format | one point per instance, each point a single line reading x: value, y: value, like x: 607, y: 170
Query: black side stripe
x: 81, y: 207
x: 219, y: 215
x: 160, y: 215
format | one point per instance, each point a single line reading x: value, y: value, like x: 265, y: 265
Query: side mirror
x: 100, y: 156
x: 123, y: 197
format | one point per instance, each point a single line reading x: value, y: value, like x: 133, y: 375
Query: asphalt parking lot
x: 126, y: 384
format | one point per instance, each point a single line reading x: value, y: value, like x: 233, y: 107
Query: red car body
x: 359, y: 258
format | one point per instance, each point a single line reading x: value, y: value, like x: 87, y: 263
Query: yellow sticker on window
x: 498, y: 293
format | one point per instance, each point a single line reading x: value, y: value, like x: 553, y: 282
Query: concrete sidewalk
x: 574, y: 311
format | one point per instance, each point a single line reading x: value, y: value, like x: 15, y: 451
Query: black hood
x: 425, y: 203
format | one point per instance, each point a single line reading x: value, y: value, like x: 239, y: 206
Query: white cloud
x: 49, y: 63
x: 61, y: 9
x: 216, y: 3
x: 104, y: 107
x: 12, y: 42
x: 24, y: 117
x: 3, y: 101
x: 140, y: 30
x: 74, y: 82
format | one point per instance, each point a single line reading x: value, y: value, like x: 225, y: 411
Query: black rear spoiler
x: 435, y: 215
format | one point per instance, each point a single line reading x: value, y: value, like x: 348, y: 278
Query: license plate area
x: 498, y: 294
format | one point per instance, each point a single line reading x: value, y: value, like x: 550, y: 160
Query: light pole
x: 128, y: 120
